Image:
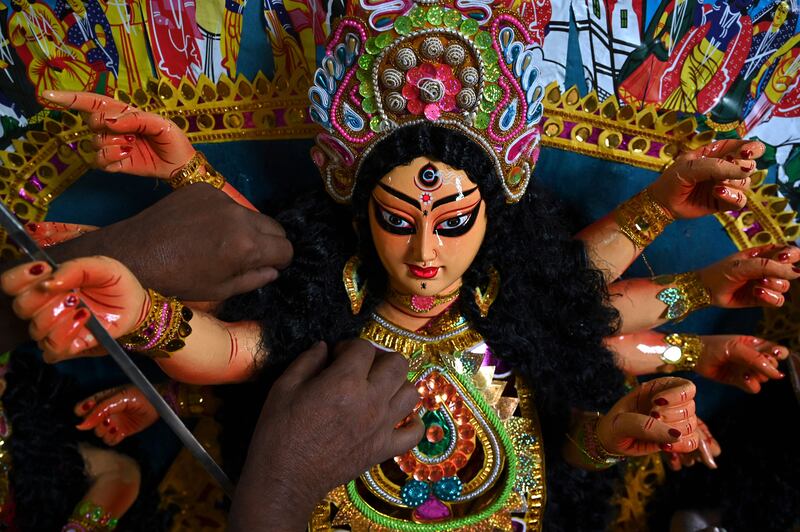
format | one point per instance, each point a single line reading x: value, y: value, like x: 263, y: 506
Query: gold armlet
x: 683, y: 352
x: 688, y: 294
x: 191, y: 173
x: 163, y: 330
x: 642, y: 219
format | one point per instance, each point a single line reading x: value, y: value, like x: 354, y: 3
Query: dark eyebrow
x: 399, y: 195
x: 454, y: 197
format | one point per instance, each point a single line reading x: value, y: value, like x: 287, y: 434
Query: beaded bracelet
x: 688, y: 294
x: 88, y: 517
x: 163, y: 330
x: 642, y: 219
x: 592, y: 451
x: 190, y: 173
x: 684, y: 351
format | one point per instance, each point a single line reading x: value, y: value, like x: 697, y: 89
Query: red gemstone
x: 435, y: 433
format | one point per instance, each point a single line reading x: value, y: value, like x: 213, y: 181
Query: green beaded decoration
x: 491, y: 73
x: 483, y: 40
x: 375, y: 124
x: 402, y: 25
x: 364, y: 76
x: 368, y: 105
x: 489, y: 56
x: 492, y: 92
x: 365, y: 89
x: 469, y: 27
x: 481, y: 120
x: 372, y: 47
x: 383, y: 40
x: 435, y: 15
x: 417, y: 16
x: 487, y: 106
x: 452, y: 18
x: 365, y: 61
x: 508, y: 482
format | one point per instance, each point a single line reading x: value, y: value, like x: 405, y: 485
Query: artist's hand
x: 129, y: 140
x: 116, y: 413
x: 656, y: 415
x: 321, y: 427
x: 708, y: 449
x: 196, y: 244
x: 753, y: 277
x: 709, y: 179
x: 742, y: 361
x: 50, y: 301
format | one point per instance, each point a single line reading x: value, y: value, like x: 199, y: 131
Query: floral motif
x: 431, y: 89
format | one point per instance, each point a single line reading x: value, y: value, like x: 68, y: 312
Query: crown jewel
x: 432, y: 64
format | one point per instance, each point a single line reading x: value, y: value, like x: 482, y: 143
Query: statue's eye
x: 454, y: 223
x: 458, y: 225
x: 393, y: 223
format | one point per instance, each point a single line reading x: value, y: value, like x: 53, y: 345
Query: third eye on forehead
x: 416, y: 203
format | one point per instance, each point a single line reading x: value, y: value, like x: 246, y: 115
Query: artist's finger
x: 304, y: 368
x: 404, y: 438
x: 389, y: 373
x: 404, y: 401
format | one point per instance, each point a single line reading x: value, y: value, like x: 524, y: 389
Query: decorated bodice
x: 479, y: 465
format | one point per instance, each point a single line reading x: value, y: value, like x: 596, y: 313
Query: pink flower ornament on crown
x: 434, y: 63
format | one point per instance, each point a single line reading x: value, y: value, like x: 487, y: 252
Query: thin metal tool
x: 29, y: 246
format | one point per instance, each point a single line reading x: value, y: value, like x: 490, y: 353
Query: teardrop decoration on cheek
x: 428, y: 178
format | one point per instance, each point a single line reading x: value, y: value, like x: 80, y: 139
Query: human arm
x: 753, y: 277
x: 117, y: 413
x: 657, y: 415
x: 737, y: 360
x: 168, y: 245
x: 191, y: 348
x: 700, y: 182
x: 318, y: 410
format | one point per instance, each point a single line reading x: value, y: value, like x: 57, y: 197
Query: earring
x: 352, y: 284
x: 485, y: 298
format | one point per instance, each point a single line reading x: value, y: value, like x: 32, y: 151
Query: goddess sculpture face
x: 428, y: 221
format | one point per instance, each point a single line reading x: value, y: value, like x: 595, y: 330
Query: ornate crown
x: 433, y: 64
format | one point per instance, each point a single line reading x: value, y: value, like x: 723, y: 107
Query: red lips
x: 423, y: 273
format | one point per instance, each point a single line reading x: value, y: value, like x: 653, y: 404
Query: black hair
x: 548, y: 321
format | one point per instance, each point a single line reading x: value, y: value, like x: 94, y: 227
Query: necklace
x: 420, y: 304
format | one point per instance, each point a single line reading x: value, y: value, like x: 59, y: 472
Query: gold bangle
x: 684, y: 351
x: 688, y: 294
x: 592, y: 451
x: 163, y: 330
x: 190, y: 173
x: 642, y: 219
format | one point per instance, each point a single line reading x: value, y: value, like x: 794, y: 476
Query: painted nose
x: 424, y: 247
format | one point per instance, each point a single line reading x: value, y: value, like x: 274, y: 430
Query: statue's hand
x: 656, y: 415
x: 50, y: 302
x: 116, y: 413
x: 706, y: 452
x: 709, y: 179
x: 753, y: 277
x: 129, y: 140
x: 742, y: 361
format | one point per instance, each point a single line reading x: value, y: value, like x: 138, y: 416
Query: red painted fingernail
x: 783, y: 256
x: 112, y: 430
x: 722, y: 191
x: 111, y: 120
x: 36, y: 269
x: 661, y: 401
x: 746, y: 154
x: 795, y: 269
x: 777, y: 352
x: 782, y: 374
x: 666, y: 447
x: 81, y: 314
x: 746, y: 377
x: 729, y: 158
x: 71, y: 300
x: 764, y: 281
x: 675, y: 433
x: 86, y: 406
x: 130, y: 138
x: 125, y: 150
x: 33, y: 227
x: 655, y: 414
x: 745, y: 168
x: 754, y: 253
x: 106, y: 422
x: 760, y: 291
